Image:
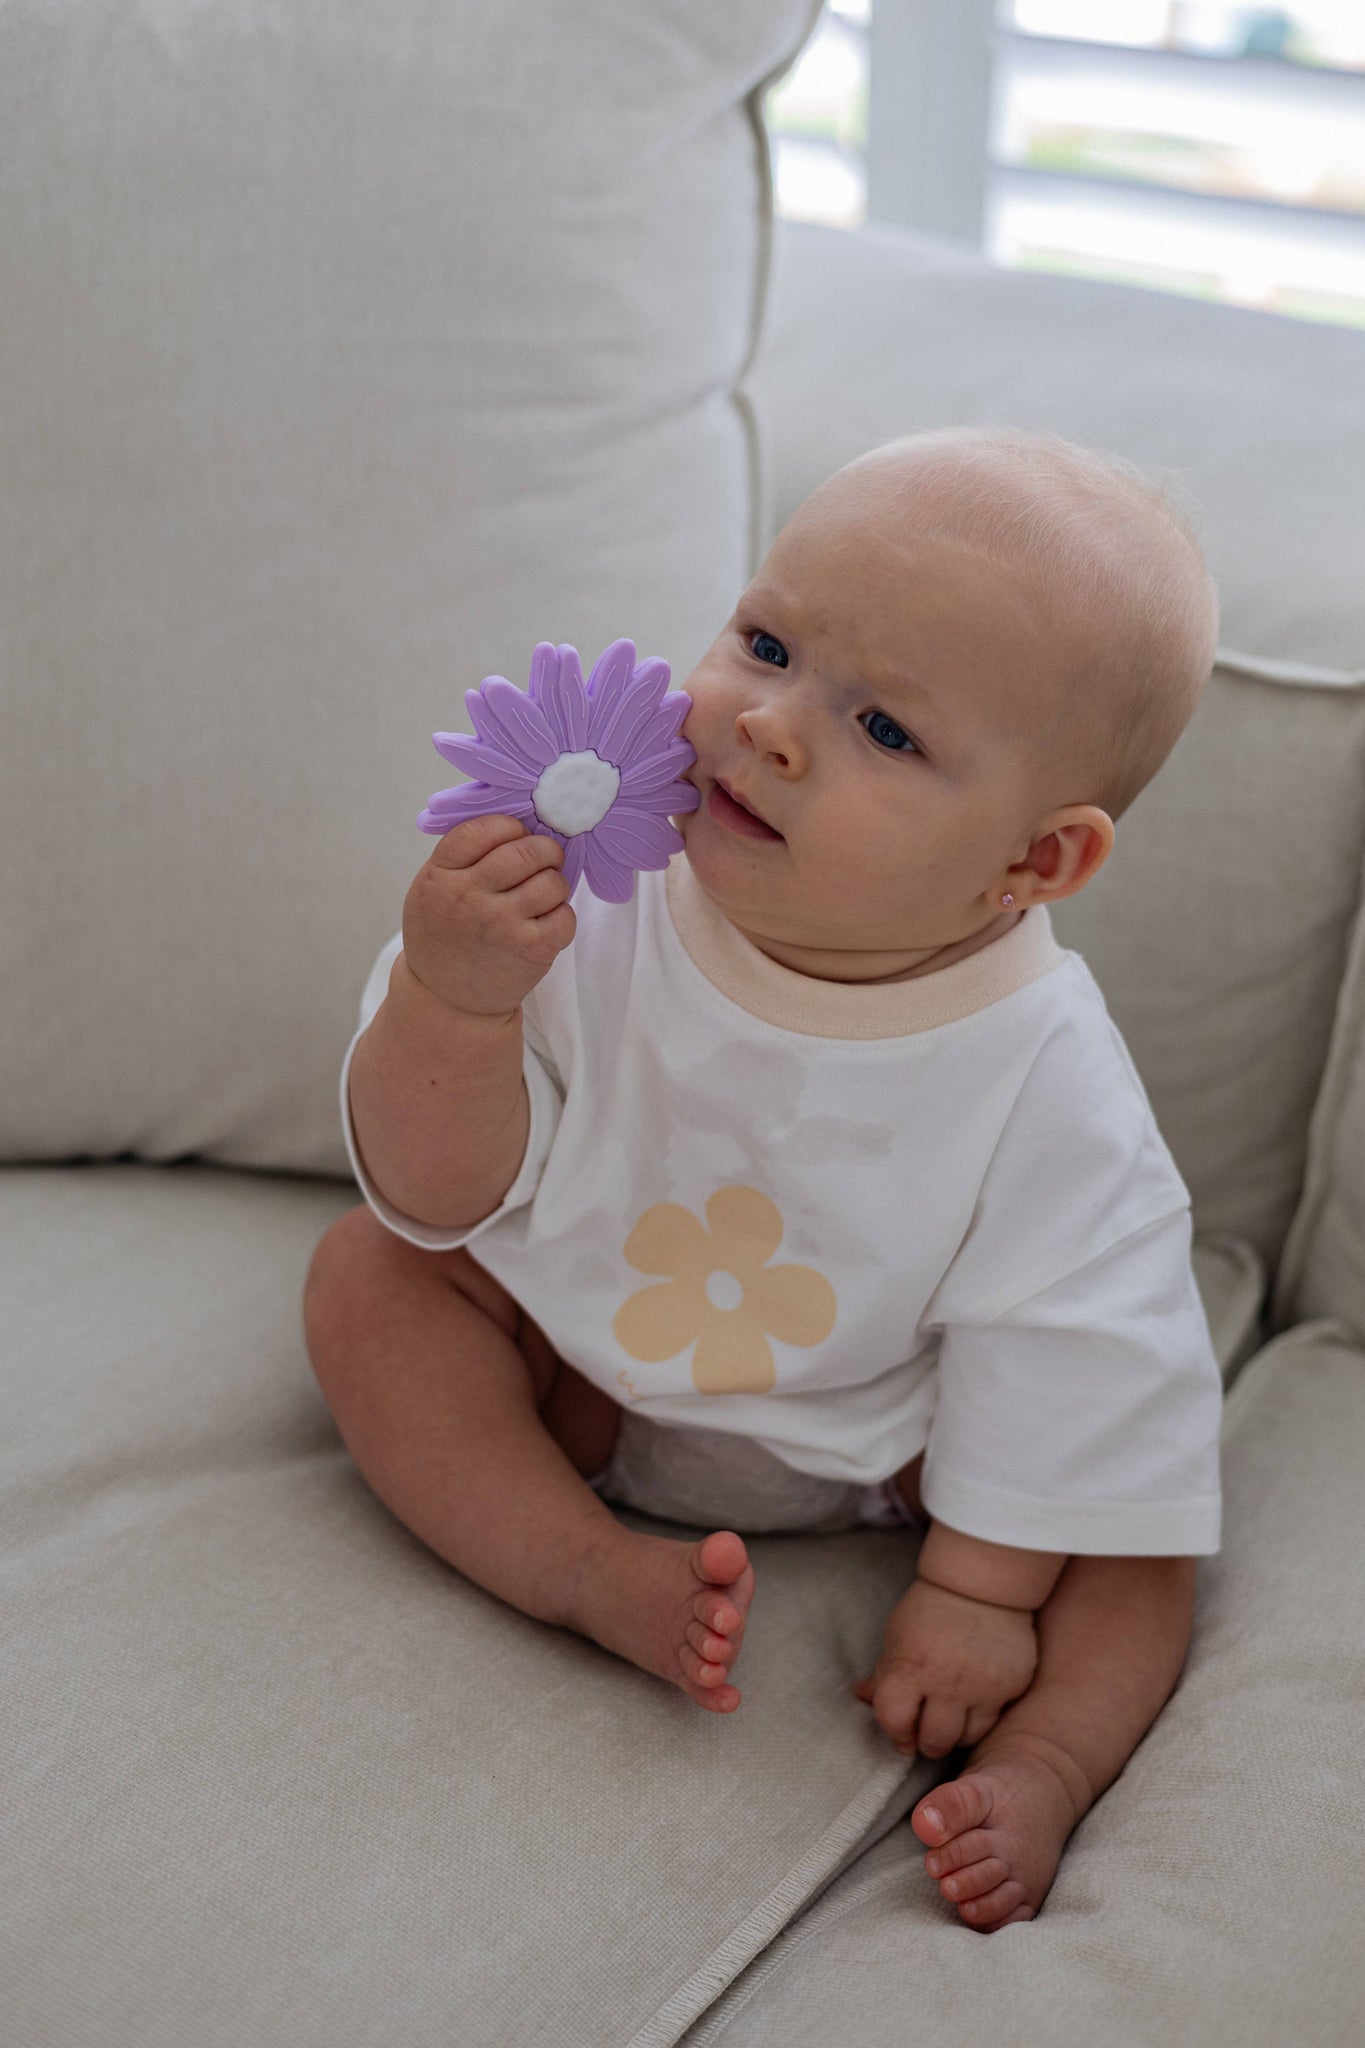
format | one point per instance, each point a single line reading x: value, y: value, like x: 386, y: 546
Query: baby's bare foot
x: 676, y: 1609
x: 996, y: 1834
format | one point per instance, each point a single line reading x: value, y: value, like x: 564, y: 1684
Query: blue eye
x: 892, y: 746
x: 759, y: 642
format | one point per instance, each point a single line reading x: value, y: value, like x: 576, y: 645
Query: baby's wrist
x: 995, y: 1574
x: 975, y: 1599
x: 427, y: 1011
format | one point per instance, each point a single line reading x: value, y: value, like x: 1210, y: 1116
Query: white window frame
x: 929, y: 113
x: 930, y: 101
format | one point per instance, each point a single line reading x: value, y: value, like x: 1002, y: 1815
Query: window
x: 817, y: 116
x: 1185, y: 146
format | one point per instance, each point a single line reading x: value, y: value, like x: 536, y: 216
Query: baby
x: 815, y: 1188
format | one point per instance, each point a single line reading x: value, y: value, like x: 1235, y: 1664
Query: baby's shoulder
x: 1081, y: 1070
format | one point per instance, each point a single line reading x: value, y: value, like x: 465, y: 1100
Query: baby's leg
x: 446, y: 1414
x: 1112, y: 1643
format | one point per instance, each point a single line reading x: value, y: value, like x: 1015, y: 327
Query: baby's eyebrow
x: 899, y: 683
x: 909, y: 689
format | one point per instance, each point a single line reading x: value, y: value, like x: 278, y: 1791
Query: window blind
x: 1211, y: 149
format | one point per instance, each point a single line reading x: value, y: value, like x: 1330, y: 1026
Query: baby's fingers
x: 896, y: 1702
x: 941, y: 1725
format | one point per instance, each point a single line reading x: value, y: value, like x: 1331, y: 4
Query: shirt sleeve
x: 543, y: 1085
x: 1079, y: 1399
x: 1086, y: 1419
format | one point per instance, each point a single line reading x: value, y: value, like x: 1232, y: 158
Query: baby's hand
x: 486, y: 916
x: 949, y: 1665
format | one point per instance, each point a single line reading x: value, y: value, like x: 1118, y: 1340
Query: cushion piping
x: 1300, y: 674
x: 806, y: 1876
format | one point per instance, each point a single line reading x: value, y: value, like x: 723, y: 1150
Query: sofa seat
x: 275, y: 1773
x: 1210, y: 1896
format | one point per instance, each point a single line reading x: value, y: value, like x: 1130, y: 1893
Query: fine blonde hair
x: 1114, y: 556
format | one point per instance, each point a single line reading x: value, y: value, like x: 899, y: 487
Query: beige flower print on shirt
x: 721, y: 1294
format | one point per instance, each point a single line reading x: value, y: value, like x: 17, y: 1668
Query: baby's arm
x: 961, y: 1643
x: 439, y: 1107
x: 993, y: 1572
x: 438, y: 1104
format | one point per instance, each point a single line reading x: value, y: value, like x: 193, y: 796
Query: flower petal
x: 609, y: 876
x: 572, y: 867
x: 615, y: 737
x: 659, y: 732
x: 678, y: 703
x: 558, y: 688
x: 503, y: 715
x: 746, y: 1228
x: 484, y: 762
x: 659, y: 1322
x: 669, y: 1239
x: 732, y: 1357
x: 641, y: 839
x: 795, y: 1304
x: 678, y: 799
x: 473, y: 800
x: 612, y: 675
x: 655, y: 771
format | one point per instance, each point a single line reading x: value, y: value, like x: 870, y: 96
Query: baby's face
x: 877, y: 698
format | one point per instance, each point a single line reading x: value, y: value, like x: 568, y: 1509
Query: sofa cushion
x: 1322, y: 1272
x: 1219, y: 927
x: 274, y: 1772
x: 1212, y: 1895
x: 346, y: 353
x: 1233, y: 1288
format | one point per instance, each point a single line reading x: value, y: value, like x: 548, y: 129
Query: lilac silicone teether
x: 595, y: 765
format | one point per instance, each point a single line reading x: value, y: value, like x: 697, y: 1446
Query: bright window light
x: 1181, y: 145
x: 817, y: 116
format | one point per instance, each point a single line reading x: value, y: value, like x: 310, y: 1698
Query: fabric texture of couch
x: 343, y: 357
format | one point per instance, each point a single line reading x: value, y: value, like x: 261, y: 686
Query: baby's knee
x: 360, y: 1268
x: 343, y: 1256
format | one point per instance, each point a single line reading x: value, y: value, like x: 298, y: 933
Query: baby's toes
x: 702, y: 1671
x: 713, y: 1649
x: 721, y: 1558
x: 975, y: 1879
x: 959, y: 1852
x: 950, y: 1809
x: 723, y: 1700
x: 706, y: 1683
x: 720, y: 1616
x: 997, y: 1905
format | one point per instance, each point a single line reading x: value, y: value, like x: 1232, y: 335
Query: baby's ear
x: 1074, y: 845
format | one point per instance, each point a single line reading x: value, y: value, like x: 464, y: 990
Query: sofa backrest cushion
x: 1219, y: 927
x: 1322, y: 1272
x: 346, y: 353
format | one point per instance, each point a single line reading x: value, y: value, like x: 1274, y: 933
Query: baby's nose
x: 772, y: 736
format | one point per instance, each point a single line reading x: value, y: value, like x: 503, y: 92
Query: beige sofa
x: 344, y: 354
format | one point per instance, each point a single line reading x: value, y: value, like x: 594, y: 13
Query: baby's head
x: 961, y: 659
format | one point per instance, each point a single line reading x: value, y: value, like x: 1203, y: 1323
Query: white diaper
x: 712, y: 1479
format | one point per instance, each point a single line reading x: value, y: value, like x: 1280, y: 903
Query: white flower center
x: 576, y: 792
x: 723, y: 1290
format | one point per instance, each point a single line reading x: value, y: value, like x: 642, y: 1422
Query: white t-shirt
x: 859, y: 1222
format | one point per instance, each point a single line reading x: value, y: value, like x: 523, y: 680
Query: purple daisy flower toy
x: 595, y: 765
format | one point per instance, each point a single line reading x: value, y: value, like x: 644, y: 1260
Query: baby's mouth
x: 730, y: 811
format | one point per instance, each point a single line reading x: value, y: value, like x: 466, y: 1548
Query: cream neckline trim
x: 830, y: 1009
